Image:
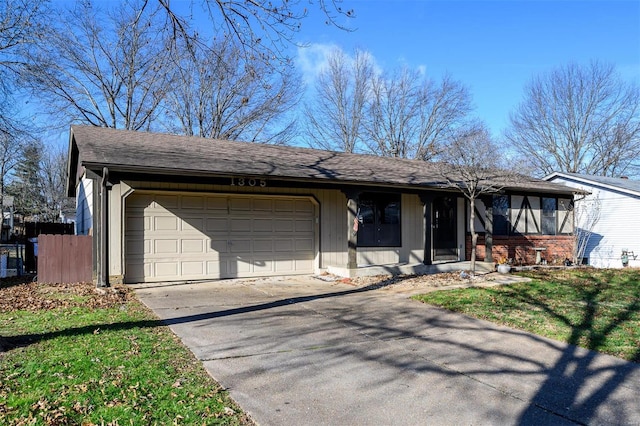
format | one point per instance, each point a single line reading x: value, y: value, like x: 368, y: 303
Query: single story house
x: 605, y: 218
x: 174, y: 208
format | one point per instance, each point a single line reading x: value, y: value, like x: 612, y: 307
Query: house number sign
x: 243, y: 181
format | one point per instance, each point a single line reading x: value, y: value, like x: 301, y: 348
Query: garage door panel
x: 217, y: 204
x: 165, y: 223
x: 240, y: 246
x: 262, y: 205
x: 192, y: 246
x: 192, y: 224
x: 304, y: 225
x: 284, y: 266
x: 282, y: 206
x: 172, y: 237
x: 284, y: 245
x: 165, y: 246
x: 262, y: 266
x: 140, y: 201
x: 240, y: 205
x: 218, y: 246
x: 193, y: 268
x: 167, y: 202
x: 241, y: 225
x: 166, y: 269
x: 303, y: 207
x: 239, y: 267
x: 189, y: 202
x: 304, y: 244
x: 217, y: 269
x: 217, y: 224
x: 263, y: 246
x: 262, y: 225
x: 303, y: 264
x: 283, y: 225
x: 135, y: 223
x: 138, y: 246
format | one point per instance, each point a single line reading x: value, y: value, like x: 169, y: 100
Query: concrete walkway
x: 306, y: 351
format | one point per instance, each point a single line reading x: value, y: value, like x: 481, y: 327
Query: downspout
x: 103, y: 278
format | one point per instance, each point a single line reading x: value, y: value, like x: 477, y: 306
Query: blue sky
x: 493, y: 47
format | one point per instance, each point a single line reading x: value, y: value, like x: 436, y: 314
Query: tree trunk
x: 474, y: 235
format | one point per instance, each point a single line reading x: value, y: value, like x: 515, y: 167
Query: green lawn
x: 594, y: 309
x: 85, y: 358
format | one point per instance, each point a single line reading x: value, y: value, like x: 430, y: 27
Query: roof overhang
x: 128, y: 153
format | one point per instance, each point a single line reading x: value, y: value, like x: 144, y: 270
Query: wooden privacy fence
x: 65, y: 258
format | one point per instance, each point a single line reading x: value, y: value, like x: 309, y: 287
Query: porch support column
x: 427, y: 202
x: 103, y: 248
x: 352, y: 233
x: 487, y: 200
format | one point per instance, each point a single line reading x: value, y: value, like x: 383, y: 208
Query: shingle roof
x: 623, y: 184
x: 131, y: 151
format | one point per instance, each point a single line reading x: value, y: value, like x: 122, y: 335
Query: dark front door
x: 444, y: 228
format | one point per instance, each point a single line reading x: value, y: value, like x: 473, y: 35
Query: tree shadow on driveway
x: 400, y: 337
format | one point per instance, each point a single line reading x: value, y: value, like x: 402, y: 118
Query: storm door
x: 444, y: 229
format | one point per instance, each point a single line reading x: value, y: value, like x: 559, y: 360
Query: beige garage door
x: 175, y: 237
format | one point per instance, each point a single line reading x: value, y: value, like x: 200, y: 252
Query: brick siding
x: 520, y: 248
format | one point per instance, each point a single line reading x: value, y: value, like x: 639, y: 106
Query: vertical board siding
x: 413, y: 249
x: 65, y: 258
x: 378, y: 255
x: 412, y: 228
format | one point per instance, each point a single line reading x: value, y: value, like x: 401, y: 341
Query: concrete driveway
x: 304, y: 351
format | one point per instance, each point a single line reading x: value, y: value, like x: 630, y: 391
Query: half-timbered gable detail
x: 527, y: 228
x: 604, y: 218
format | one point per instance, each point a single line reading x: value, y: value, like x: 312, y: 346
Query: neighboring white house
x: 610, y: 214
x: 84, y: 208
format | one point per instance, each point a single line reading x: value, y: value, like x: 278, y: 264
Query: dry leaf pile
x: 413, y: 283
x: 16, y: 294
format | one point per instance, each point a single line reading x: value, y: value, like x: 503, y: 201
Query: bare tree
x: 579, y: 119
x: 335, y: 114
x: 219, y: 93
x: 53, y: 177
x: 586, y: 212
x: 412, y: 116
x: 392, y: 112
x: 444, y: 107
x: 472, y: 166
x: 21, y: 23
x: 104, y: 68
x: 261, y: 29
x: 10, y: 148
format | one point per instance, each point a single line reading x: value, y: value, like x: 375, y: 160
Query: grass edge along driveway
x: 592, y: 308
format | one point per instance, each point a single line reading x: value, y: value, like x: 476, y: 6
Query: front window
x: 501, y: 215
x: 379, y: 218
x: 549, y: 208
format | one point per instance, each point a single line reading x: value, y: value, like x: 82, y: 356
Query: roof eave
x: 584, y: 180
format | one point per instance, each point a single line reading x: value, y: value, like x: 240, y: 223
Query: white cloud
x: 312, y: 59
